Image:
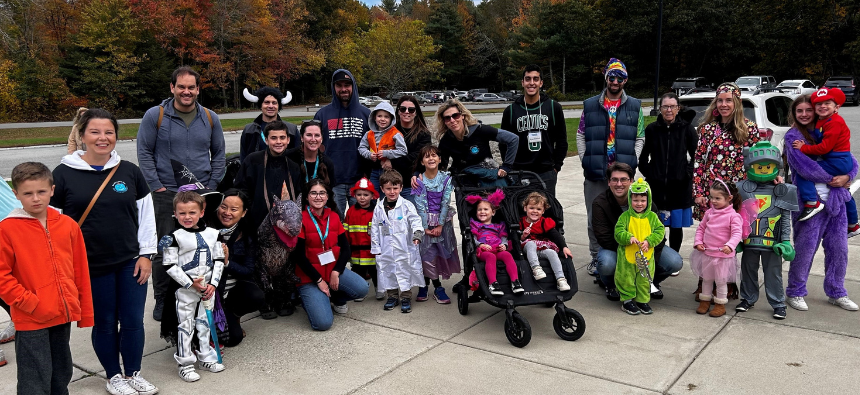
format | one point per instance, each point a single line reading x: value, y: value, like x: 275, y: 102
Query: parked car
x: 848, y: 85
x: 488, y: 97
x: 508, y: 95
x: 685, y: 85
x: 418, y: 95
x: 475, y: 92
x: 370, y: 101
x: 769, y: 111
x: 436, y: 97
x: 754, y: 83
x: 461, y: 95
x: 796, y: 88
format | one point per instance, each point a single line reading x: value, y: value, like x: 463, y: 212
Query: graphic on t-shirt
x: 611, y: 107
x: 530, y: 127
x: 120, y: 187
x: 345, y: 128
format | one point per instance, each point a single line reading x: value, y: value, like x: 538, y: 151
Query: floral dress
x: 718, y: 156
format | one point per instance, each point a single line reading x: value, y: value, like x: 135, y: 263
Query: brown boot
x: 704, y: 306
x: 698, y: 290
x: 718, y: 311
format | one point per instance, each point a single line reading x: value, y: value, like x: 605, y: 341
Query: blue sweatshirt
x: 342, y: 130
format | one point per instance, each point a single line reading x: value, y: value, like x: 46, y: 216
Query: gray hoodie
x: 400, y: 144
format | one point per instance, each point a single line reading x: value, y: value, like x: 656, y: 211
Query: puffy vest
x: 594, y: 162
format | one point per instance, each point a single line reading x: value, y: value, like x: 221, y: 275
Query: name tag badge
x: 326, y: 257
x: 534, y: 137
x: 386, y: 231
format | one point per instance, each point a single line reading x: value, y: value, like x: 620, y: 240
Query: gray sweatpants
x: 591, y: 190
x: 44, y: 360
x: 532, y: 255
x: 772, y: 267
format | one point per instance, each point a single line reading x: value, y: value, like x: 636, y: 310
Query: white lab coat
x: 398, y: 260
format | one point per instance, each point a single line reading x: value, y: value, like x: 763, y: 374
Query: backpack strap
x: 161, y: 117
x: 209, y: 115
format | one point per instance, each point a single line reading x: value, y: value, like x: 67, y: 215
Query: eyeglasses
x: 318, y: 193
x: 619, y: 180
x: 616, y: 79
x: 455, y: 116
x: 666, y: 108
x: 407, y: 110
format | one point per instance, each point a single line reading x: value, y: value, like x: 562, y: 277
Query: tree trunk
x: 564, y: 75
x: 224, y: 95
x: 551, y: 78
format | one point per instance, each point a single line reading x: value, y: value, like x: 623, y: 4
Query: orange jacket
x: 44, y: 275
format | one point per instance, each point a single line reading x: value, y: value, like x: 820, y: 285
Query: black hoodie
x: 342, y: 130
x: 545, y: 117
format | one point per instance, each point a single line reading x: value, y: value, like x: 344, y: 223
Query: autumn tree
x: 397, y: 54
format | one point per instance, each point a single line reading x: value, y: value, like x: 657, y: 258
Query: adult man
x: 606, y: 209
x: 270, y: 101
x: 178, y: 129
x: 543, y: 134
x: 611, y: 130
x: 344, y: 122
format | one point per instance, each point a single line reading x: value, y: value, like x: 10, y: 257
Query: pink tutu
x: 711, y: 268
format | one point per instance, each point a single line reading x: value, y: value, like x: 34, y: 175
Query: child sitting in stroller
x: 541, y: 238
x: 492, y: 241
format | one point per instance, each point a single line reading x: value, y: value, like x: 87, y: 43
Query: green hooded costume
x: 644, y: 226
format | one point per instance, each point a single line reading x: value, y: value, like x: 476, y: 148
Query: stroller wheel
x: 571, y: 328
x: 517, y: 330
x: 463, y: 301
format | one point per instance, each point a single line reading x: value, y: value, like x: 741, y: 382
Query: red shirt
x: 315, y: 246
x: 539, y: 228
x: 835, y: 137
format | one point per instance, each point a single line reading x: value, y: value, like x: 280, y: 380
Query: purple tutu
x: 717, y: 269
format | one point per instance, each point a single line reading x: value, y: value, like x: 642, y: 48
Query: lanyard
x: 316, y: 166
x: 313, y: 218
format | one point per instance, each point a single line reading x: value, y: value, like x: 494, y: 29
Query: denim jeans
x: 341, y: 196
x: 118, y: 301
x: 316, y: 303
x: 670, y: 262
x: 406, y: 193
x: 549, y: 178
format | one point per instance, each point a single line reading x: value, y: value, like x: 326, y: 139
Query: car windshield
x: 748, y: 81
x: 791, y: 84
x: 683, y: 84
x: 700, y: 105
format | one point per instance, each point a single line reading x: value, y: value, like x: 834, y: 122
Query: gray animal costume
x: 276, y: 238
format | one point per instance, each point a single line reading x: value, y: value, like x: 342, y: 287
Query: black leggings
x: 367, y: 272
x: 436, y: 282
x: 676, y: 237
x: 244, y: 298
x: 5, y: 307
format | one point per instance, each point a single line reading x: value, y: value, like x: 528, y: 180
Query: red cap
x: 825, y: 94
x: 364, y: 185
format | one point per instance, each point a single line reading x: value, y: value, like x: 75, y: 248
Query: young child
x: 638, y: 229
x: 432, y: 199
x: 45, y: 279
x: 196, y: 260
x: 382, y: 142
x: 492, y: 241
x: 834, y: 152
x: 395, y: 224
x: 713, y: 259
x: 357, y: 222
x: 540, y: 238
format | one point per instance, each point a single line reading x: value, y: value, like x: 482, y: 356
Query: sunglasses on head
x: 455, y: 116
x: 407, y: 110
x: 616, y: 79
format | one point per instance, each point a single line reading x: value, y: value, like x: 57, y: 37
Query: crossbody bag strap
x: 98, y: 193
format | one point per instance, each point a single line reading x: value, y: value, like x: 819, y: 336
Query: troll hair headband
x: 729, y: 87
x: 494, y: 198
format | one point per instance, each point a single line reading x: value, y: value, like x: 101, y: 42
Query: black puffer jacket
x: 664, y: 161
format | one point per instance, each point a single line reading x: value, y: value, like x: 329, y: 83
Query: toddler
x: 541, y: 238
x: 382, y: 142
x: 492, y: 241
x: 357, y: 223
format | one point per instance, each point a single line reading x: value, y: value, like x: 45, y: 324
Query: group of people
x: 368, y: 188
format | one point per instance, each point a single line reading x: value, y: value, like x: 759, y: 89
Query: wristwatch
x: 148, y: 256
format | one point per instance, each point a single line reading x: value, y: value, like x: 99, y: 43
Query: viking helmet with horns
x: 268, y: 91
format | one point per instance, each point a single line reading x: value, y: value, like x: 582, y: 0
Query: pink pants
x: 490, y: 257
x: 722, y: 289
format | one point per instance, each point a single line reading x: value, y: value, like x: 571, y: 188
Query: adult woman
x: 724, y: 133
x: 119, y: 233
x: 309, y: 154
x: 410, y: 122
x: 832, y: 221
x: 239, y: 293
x: 664, y: 164
x: 467, y: 142
x: 321, y: 254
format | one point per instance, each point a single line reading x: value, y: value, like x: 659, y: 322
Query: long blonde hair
x: 737, y: 124
x: 468, y: 118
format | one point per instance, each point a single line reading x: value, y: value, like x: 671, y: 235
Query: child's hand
x: 210, y: 290
x: 567, y: 253
x: 503, y: 247
x: 644, y: 246
x: 633, y: 240
x: 386, y: 164
x: 796, y: 144
x: 485, y: 247
x: 700, y: 247
x: 726, y: 250
x: 226, y: 254
x: 527, y: 232
x: 198, y: 285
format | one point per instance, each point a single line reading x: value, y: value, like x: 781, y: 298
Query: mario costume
x: 357, y: 223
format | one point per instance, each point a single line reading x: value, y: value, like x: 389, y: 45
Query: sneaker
x: 844, y: 303
x: 268, y: 314
x: 340, y: 309
x: 612, y: 294
x: 2, y: 358
x: 592, y: 267
x: 440, y: 296
x: 8, y: 334
x: 213, y: 367
x: 797, y: 303
x: 287, y: 310
x: 422, y: 294
x: 562, y: 284
x: 517, y: 287
x: 853, y: 230
x: 630, y: 308
x: 644, y: 308
x: 188, y: 374
x: 656, y: 292
x: 140, y: 385
x: 380, y: 295
x: 675, y: 274
x: 496, y: 289
x: 158, y: 311
x: 810, y: 210
x: 358, y: 300
x: 390, y: 303
x: 118, y: 385
x: 538, y: 272
x: 779, y: 313
x: 405, y: 305
x: 744, y: 306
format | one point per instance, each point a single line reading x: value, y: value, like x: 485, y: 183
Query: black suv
x: 848, y: 85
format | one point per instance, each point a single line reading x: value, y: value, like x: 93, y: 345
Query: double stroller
x: 567, y: 322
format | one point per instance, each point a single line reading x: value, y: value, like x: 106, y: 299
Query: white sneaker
x: 8, y: 334
x: 538, y: 272
x: 844, y: 303
x: 2, y: 358
x: 562, y: 284
x: 380, y: 295
x: 358, y: 300
x: 188, y: 374
x: 142, y: 386
x: 340, y: 309
x: 797, y: 303
x: 213, y: 367
x: 118, y: 385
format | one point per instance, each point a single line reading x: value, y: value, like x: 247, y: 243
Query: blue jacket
x: 596, y: 131
x: 342, y: 130
x: 200, y: 147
